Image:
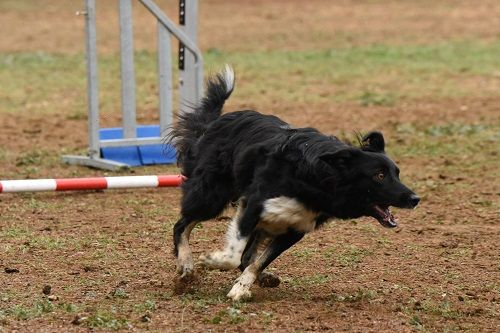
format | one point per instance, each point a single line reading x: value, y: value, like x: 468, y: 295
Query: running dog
x: 286, y: 182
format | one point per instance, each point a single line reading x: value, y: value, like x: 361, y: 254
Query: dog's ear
x: 340, y: 158
x: 374, y: 142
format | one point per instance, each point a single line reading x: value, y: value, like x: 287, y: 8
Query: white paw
x: 239, y: 292
x: 219, y: 260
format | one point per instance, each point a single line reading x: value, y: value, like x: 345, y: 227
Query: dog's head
x: 372, y: 180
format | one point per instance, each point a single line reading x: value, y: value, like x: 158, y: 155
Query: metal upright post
x: 189, y: 75
x: 127, y: 70
x: 164, y: 78
x: 92, y: 79
x: 197, y: 65
x: 94, y: 153
x: 101, y: 141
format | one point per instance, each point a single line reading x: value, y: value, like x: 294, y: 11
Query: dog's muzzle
x: 413, y: 200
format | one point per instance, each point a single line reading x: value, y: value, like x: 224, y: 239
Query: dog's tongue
x: 385, y: 217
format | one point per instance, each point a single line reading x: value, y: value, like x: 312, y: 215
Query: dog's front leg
x: 241, y: 288
x: 265, y: 279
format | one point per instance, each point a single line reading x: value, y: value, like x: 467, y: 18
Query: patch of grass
x: 19, y: 312
x: 44, y: 306
x: 309, y: 280
x: 120, y: 293
x: 217, y: 319
x: 201, y: 301
x: 96, y: 242
x: 375, y: 71
x: 304, y: 254
x: 384, y: 241
x: 373, y: 75
x: 369, y: 98
x: 30, y: 158
x: 232, y: 315
x: 14, y: 232
x: 147, y: 305
x: 442, y: 309
x: 459, y: 253
x: 30, y: 240
x: 416, y: 322
x: 31, y: 162
x: 361, y: 295
x: 456, y: 129
x: 351, y: 256
x: 68, y: 307
x: 358, y: 296
x: 45, y: 242
x: 22, y: 312
x: 454, y: 139
x: 3, y: 154
x: 105, y: 319
x: 235, y: 315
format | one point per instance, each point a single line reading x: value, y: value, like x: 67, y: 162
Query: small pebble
x: 46, y: 290
x: 146, y: 318
x: 78, y: 320
x: 9, y: 270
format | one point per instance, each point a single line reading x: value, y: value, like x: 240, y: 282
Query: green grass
x: 22, y: 312
x: 232, y: 315
x: 105, y: 319
x: 309, y: 280
x: 359, y: 295
x: 147, y: 305
x: 348, y: 256
x: 28, y: 239
x: 369, y: 75
x: 453, y: 140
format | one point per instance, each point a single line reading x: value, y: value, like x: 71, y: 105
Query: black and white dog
x: 286, y: 182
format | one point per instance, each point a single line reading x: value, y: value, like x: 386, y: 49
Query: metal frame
x: 190, y: 77
x: 127, y: 69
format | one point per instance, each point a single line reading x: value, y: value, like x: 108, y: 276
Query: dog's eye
x: 379, y: 176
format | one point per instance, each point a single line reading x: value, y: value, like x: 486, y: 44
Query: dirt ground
x: 107, y: 255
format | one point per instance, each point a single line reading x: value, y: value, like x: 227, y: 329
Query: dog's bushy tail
x: 192, y: 124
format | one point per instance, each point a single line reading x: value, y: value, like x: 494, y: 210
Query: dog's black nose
x: 413, y: 200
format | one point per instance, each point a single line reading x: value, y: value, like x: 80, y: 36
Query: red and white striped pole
x: 96, y: 183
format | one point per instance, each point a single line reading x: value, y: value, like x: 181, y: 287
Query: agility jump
x: 93, y: 183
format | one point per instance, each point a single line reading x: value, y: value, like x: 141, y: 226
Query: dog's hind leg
x: 250, y: 253
x: 182, y: 231
x: 227, y: 258
x: 200, y: 202
x: 257, y: 240
x: 237, y: 236
x: 241, y: 289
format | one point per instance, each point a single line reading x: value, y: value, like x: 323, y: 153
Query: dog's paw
x: 218, y: 260
x: 239, y: 293
x: 185, y: 273
x: 268, y: 280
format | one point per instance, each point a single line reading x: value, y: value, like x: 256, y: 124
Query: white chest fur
x: 282, y: 213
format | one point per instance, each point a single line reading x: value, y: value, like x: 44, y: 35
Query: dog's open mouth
x: 384, y: 216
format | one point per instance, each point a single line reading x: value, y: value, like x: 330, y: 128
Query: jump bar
x: 84, y: 184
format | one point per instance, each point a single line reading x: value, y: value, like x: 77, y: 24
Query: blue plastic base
x: 137, y: 155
